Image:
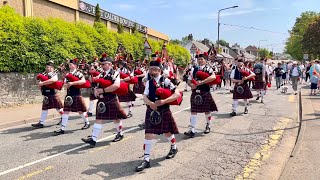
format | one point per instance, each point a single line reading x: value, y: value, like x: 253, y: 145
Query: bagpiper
x: 201, y: 99
x: 74, y: 102
x: 108, y: 106
x: 240, y: 76
x: 51, y: 99
x: 159, y: 118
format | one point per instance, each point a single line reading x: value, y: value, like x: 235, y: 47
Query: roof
x: 200, y: 46
x: 251, y: 48
x: 226, y: 55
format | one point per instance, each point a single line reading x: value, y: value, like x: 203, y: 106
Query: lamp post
x: 259, y: 48
x: 219, y: 22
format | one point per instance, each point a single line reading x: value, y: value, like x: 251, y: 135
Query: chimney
x: 190, y: 37
x: 206, y: 42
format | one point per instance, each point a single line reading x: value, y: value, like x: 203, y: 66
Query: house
x: 240, y: 51
x: 252, y: 50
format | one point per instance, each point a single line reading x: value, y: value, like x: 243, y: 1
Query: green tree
x: 294, y: 42
x: 134, y: 28
x: 263, y: 53
x: 98, y: 14
x: 222, y: 42
x: 311, y: 39
x: 120, y: 28
x: 175, y: 41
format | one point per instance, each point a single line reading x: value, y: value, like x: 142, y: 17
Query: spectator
x: 278, y: 74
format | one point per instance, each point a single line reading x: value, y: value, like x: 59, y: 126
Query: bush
x: 27, y: 43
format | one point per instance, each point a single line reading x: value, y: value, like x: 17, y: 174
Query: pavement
x: 237, y: 148
x: 305, y: 160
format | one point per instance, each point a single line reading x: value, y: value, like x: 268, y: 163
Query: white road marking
x: 70, y: 150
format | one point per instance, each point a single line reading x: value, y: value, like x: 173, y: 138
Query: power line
x: 258, y: 29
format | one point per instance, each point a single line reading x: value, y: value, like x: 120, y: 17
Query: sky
x: 178, y: 18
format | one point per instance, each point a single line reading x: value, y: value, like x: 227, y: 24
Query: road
x: 237, y: 147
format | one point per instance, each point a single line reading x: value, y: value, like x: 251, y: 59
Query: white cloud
x: 234, y: 13
x: 124, y: 6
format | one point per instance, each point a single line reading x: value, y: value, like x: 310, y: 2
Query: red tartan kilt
x: 139, y: 88
x: 167, y: 124
x: 208, y: 104
x: 259, y: 85
x: 54, y: 103
x: 113, y: 109
x: 77, y: 105
x: 245, y: 95
x: 130, y: 96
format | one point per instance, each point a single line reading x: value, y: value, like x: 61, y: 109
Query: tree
x: 98, y: 14
x: 222, y: 42
x: 134, y: 28
x: 263, y: 53
x: 311, y: 39
x: 175, y: 41
x: 120, y: 28
x: 294, y: 42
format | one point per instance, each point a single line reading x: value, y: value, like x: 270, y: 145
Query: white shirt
x: 167, y: 83
x: 53, y: 76
x: 234, y: 70
x: 295, y: 71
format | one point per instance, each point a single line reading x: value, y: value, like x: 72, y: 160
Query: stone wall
x: 18, y: 89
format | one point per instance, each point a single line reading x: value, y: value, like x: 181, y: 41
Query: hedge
x: 26, y: 43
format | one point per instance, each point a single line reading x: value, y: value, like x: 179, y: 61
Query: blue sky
x: 178, y: 18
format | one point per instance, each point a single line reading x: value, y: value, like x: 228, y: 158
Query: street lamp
x: 219, y: 22
x: 259, y: 48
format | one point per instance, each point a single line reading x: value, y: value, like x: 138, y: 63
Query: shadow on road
x: 119, y: 170
x: 262, y: 132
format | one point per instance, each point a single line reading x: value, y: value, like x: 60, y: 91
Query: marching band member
x: 241, y: 88
x: 260, y: 80
x: 201, y: 99
x: 51, y: 99
x: 108, y: 106
x: 159, y: 119
x: 74, y: 101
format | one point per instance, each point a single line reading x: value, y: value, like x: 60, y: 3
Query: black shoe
x: 118, y: 137
x: 142, y: 166
x: 233, y: 114
x: 58, y: 132
x: 142, y: 125
x: 89, y: 114
x: 245, y: 110
x: 231, y: 91
x: 207, y: 130
x: 258, y: 98
x: 59, y: 123
x: 86, y: 126
x: 185, y: 90
x: 38, y: 125
x: 261, y: 101
x: 90, y: 141
x: 190, y: 134
x: 172, y: 153
x: 129, y: 114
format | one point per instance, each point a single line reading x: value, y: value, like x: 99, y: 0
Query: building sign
x: 90, y: 9
x: 193, y: 49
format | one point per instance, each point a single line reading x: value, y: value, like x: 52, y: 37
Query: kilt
x: 245, y: 95
x: 54, y: 102
x: 208, y: 104
x: 113, y: 109
x: 91, y: 95
x: 77, y: 105
x: 259, y: 85
x: 167, y: 122
x: 139, y: 88
x: 130, y: 96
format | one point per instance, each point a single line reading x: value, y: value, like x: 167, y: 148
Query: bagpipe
x: 164, y: 93
x: 44, y: 77
x: 133, y: 80
x: 71, y: 78
x: 203, y: 75
x: 122, y: 90
x: 245, y: 73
